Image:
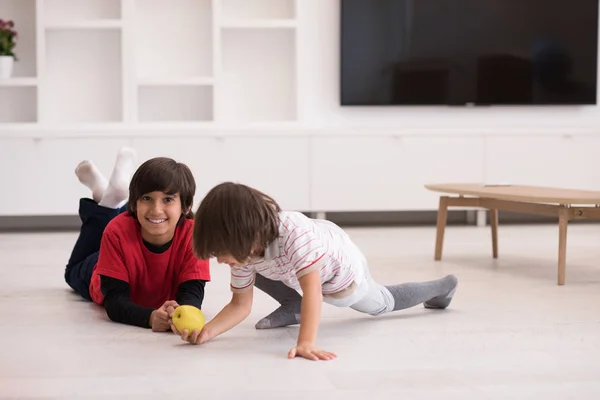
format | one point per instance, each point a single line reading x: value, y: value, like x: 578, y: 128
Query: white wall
x: 331, y: 158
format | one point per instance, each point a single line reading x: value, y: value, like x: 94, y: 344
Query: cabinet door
x: 389, y: 173
x: 276, y: 166
x: 38, y: 176
x: 556, y: 161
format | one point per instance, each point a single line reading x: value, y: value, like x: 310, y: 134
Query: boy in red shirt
x: 135, y: 256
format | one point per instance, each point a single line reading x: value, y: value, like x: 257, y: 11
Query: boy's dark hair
x: 166, y: 175
x: 235, y: 219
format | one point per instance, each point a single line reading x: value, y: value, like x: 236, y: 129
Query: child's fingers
x: 162, y: 314
x: 170, y: 303
x: 203, y: 337
x: 325, y: 355
x: 185, y: 334
x: 292, y: 353
x: 195, y: 335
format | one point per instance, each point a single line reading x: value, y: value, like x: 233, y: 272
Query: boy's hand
x: 169, y: 307
x: 310, y: 352
x: 159, y: 319
x: 195, y: 337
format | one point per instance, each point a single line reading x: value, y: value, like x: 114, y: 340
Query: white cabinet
x: 389, y: 173
x: 277, y: 166
x: 38, y: 176
x: 559, y: 161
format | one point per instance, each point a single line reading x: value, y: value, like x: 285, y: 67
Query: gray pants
x: 368, y: 297
x: 285, y: 295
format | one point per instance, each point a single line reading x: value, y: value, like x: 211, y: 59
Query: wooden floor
x: 511, y: 332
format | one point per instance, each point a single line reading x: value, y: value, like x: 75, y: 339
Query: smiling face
x: 160, y: 191
x: 158, y: 214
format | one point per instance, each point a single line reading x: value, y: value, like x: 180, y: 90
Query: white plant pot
x: 6, y: 66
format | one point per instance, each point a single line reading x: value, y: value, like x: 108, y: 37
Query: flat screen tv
x: 468, y: 52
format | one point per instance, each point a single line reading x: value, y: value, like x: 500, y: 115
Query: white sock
x: 91, y: 177
x: 115, y: 195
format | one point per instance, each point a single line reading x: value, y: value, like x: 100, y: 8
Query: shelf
x: 83, y: 76
x: 190, y: 81
x: 14, y: 82
x: 160, y: 103
x: 258, y: 9
x: 259, y: 23
x: 23, y: 13
x: 160, y: 24
x: 87, y: 24
x: 258, y: 75
x: 128, y: 65
x: 18, y: 105
x: 66, y: 11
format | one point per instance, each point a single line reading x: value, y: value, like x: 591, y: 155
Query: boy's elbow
x: 242, y: 302
x: 112, y: 315
x: 113, y: 311
x: 247, y: 310
x: 244, y: 308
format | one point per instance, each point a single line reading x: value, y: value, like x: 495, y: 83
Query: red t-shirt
x: 152, y: 278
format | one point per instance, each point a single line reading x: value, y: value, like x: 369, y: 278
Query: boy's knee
x: 378, y: 312
x: 370, y: 307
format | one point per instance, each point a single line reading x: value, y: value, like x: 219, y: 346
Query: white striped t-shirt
x: 304, y: 245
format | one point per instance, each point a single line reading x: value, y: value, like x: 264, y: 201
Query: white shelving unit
x: 122, y: 64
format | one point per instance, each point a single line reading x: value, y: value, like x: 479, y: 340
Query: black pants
x: 84, y: 257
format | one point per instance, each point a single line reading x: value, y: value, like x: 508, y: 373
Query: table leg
x: 494, y: 226
x: 563, y: 220
x: 441, y: 227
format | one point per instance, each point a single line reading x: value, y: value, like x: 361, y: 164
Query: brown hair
x: 166, y: 175
x: 235, y: 219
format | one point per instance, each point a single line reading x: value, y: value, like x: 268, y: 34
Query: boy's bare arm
x: 310, y: 315
x: 310, y: 318
x: 232, y: 314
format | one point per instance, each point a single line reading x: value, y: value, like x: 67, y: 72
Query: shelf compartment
x: 173, y: 38
x: 175, y: 103
x: 258, y: 81
x: 258, y: 9
x: 23, y: 13
x: 83, y: 76
x: 18, y: 104
x: 65, y: 12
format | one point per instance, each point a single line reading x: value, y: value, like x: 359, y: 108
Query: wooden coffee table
x: 565, y: 204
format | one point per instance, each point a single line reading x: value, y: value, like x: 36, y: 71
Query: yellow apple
x: 188, y: 317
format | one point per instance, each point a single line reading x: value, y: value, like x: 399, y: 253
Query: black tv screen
x: 468, y: 52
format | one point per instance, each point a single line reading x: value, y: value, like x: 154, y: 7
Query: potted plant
x: 8, y: 41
